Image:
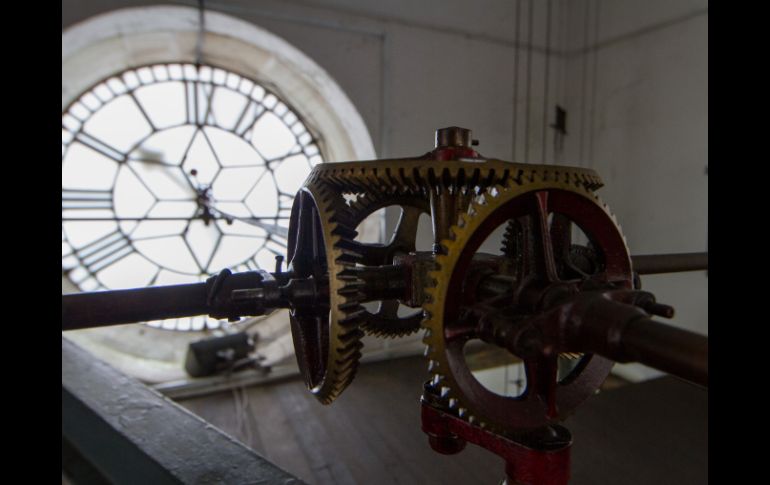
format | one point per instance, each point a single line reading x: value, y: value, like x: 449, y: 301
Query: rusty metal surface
x: 134, y: 435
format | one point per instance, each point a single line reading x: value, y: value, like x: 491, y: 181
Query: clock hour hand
x: 153, y: 159
x: 253, y: 221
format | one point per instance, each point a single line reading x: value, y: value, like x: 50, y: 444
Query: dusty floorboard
x: 654, y: 432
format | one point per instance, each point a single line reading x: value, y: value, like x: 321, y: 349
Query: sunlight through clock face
x: 171, y: 173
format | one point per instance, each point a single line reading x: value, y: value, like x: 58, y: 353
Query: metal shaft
x: 104, y: 308
x: 676, y: 351
x: 670, y: 263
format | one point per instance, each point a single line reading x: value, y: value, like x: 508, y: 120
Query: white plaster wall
x: 641, y: 100
x: 409, y: 67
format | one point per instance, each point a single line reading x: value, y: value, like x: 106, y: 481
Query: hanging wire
x: 561, y: 128
x: 516, y: 77
x: 201, y: 31
x: 547, y: 75
x: 594, y: 77
x: 584, y: 75
x: 530, y: 22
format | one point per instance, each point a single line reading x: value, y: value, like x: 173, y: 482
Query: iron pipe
x: 670, y: 349
x: 670, y: 263
x: 104, y: 308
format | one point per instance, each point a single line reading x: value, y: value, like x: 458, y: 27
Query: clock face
x: 171, y: 173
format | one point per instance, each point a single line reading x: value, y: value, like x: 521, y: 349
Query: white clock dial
x: 173, y: 172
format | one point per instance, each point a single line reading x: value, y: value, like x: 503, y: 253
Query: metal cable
x: 516, y: 77
x: 529, y: 79
x: 584, y: 72
x: 547, y: 75
x: 594, y: 78
x: 201, y: 31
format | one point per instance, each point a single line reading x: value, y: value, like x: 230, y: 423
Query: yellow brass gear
x: 419, y: 176
x: 409, y: 182
x: 341, y: 341
x: 443, y: 379
x: 337, y: 363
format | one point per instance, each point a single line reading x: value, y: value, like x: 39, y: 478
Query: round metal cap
x: 453, y: 136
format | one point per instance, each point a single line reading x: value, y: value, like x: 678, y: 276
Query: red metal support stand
x: 540, y: 457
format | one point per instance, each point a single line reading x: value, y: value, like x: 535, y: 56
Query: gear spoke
x: 463, y: 329
x: 541, y: 381
x: 388, y: 309
x: 561, y: 238
x: 403, y: 239
x: 406, y: 229
x: 546, y: 264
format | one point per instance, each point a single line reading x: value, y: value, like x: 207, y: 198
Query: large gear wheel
x: 327, y: 339
x: 322, y: 244
x: 530, y: 198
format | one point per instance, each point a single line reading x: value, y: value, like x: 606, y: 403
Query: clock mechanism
x: 525, y: 258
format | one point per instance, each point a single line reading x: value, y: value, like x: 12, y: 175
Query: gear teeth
x: 348, y: 256
x: 345, y: 232
x: 351, y: 289
x: 347, y: 366
x: 350, y: 350
x: 571, y: 355
x: 490, y: 199
x: 350, y: 336
x: 377, y: 182
x: 349, y: 274
x: 349, y: 245
x: 354, y: 317
x: 391, y: 328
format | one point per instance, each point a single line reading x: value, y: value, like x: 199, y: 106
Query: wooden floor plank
x: 654, y: 432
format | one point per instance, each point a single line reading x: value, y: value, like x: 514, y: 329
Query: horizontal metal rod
x: 670, y: 263
x: 104, y: 308
x: 670, y: 349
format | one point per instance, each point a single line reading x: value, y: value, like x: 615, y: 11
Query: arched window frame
x: 100, y: 47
